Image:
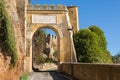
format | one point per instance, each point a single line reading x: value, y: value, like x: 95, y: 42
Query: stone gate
x: 61, y: 19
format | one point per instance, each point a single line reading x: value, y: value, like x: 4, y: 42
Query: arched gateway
x: 61, y: 19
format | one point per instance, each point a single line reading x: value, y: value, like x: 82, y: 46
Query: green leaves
x: 39, y: 44
x: 24, y: 77
x: 116, y: 58
x: 91, y: 47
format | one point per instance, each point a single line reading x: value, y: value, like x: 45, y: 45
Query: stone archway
x: 46, y: 52
x: 59, y: 21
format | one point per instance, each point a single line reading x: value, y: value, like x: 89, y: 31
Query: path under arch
x: 50, y: 75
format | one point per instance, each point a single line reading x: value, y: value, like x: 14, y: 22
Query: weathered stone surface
x: 52, y: 7
x: 15, y: 10
x: 60, y: 27
x: 4, y: 63
x: 44, y: 19
x: 37, y: 7
x: 87, y: 71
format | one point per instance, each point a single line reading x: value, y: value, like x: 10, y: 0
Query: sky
x: 102, y: 13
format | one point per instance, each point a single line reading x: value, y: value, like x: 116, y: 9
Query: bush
x: 24, y: 77
x: 91, y: 46
x: 55, y: 54
x: 42, y: 59
x: 49, y: 60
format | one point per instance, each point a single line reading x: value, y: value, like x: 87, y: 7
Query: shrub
x: 24, y: 77
x: 42, y: 59
x: 91, y: 46
x: 49, y: 60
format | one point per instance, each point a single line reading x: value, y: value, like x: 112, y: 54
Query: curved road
x: 52, y: 75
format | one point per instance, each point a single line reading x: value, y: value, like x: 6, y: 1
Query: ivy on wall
x: 7, y: 39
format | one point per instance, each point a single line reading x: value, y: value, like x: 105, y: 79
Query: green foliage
x: 55, y: 54
x: 42, y: 60
x: 90, y: 45
x: 38, y: 45
x: 49, y: 60
x: 24, y: 77
x: 7, y: 39
x: 102, y: 41
x: 116, y: 58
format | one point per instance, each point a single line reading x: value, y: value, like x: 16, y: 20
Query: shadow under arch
x: 57, y: 32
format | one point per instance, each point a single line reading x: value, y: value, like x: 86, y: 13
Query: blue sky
x: 102, y: 13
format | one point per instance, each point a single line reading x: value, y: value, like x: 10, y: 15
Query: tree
x: 90, y: 45
x: 102, y: 41
x: 116, y: 58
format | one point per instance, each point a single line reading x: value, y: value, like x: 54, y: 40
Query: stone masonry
x: 61, y: 19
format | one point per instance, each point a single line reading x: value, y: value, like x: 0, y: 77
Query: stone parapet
x: 46, y: 7
x: 90, y: 71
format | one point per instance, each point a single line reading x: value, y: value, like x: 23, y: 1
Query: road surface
x: 51, y: 75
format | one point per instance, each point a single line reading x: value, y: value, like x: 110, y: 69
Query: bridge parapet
x: 46, y: 7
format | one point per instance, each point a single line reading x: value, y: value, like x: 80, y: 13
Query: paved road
x: 52, y: 75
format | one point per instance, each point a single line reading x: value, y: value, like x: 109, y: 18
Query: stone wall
x: 57, y: 19
x: 17, y: 19
x: 4, y: 63
x: 82, y: 71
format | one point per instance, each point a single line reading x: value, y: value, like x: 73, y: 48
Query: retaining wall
x: 83, y: 71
